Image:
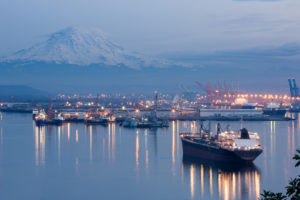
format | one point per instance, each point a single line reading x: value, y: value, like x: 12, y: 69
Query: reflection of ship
x: 225, y: 167
x: 274, y: 109
x: 214, y: 180
x: 227, y: 146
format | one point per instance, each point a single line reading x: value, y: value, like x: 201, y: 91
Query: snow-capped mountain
x: 84, y: 47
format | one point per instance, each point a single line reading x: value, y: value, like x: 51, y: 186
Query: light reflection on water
x: 137, y: 148
x: 145, y: 158
x: 40, y: 143
x: 231, y: 181
x: 1, y: 135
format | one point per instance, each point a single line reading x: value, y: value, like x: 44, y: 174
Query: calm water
x: 75, y: 161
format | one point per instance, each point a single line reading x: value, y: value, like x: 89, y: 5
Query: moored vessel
x: 99, y: 119
x: 42, y: 118
x: 151, y: 122
x: 274, y: 109
x: 130, y: 123
x: 227, y: 146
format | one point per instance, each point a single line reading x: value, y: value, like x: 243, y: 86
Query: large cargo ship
x: 227, y: 146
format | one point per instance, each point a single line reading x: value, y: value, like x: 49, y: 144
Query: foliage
x: 292, y: 190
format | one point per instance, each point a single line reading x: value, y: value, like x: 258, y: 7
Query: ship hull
x: 203, y: 151
x: 54, y: 122
x: 96, y: 122
x: 48, y: 122
x: 275, y: 112
x: 39, y: 122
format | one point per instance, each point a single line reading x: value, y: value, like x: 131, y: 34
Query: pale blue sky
x: 156, y: 26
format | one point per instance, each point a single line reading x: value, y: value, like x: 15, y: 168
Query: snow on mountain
x: 82, y: 47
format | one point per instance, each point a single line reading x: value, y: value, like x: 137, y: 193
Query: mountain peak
x: 74, y: 45
x: 76, y: 34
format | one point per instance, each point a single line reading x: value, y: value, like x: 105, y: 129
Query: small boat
x: 101, y: 119
x: 42, y: 119
x: 152, y: 123
x: 130, y: 122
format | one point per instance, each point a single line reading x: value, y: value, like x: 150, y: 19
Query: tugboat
x: 147, y: 120
x: 130, y: 123
x: 144, y: 122
x: 151, y: 122
x: 42, y: 119
x: 227, y: 146
x: 100, y: 119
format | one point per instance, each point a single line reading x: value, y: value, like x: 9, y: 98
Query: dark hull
x: 151, y: 126
x: 54, y: 122
x: 96, y: 122
x: 207, y: 152
x: 74, y: 120
x: 40, y: 122
x: 275, y: 112
x: 46, y: 122
x: 155, y: 124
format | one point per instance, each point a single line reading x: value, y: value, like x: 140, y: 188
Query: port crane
x: 293, y: 87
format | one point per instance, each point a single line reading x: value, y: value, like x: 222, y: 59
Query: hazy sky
x: 155, y: 26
